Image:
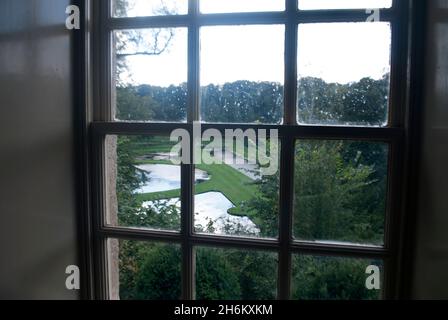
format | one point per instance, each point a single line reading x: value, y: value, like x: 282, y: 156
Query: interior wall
x: 37, y: 180
x: 431, y: 264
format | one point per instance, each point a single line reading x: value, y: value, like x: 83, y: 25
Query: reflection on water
x: 164, y: 177
x: 211, y: 211
x: 211, y: 208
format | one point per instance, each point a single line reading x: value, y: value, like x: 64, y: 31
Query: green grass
x: 149, y: 161
x: 237, y: 187
x: 153, y: 145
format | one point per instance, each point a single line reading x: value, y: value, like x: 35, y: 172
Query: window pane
x: 226, y: 274
x: 344, y: 71
x: 343, y: 4
x: 144, y: 270
x: 239, y: 192
x: 340, y: 191
x: 223, y: 6
x: 143, y: 185
x: 150, y: 67
x: 330, y: 278
x: 141, y: 8
x: 242, y: 74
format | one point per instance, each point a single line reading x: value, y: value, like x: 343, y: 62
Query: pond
x: 211, y: 208
x: 164, y: 177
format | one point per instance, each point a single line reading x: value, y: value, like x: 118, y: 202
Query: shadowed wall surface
x: 431, y: 265
x: 37, y: 189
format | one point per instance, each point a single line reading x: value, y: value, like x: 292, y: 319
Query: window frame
x: 102, y: 124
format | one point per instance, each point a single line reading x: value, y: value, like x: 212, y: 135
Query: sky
x: 335, y: 52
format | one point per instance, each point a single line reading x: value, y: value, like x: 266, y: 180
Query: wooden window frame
x: 96, y: 123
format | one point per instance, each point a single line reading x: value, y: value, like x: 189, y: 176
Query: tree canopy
x: 339, y: 192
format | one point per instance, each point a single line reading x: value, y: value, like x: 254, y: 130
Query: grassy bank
x: 236, y: 186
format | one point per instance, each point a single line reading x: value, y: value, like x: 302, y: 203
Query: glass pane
x: 242, y: 74
x: 239, y: 192
x: 343, y: 4
x: 223, y: 6
x: 150, y: 68
x: 226, y: 274
x: 142, y: 182
x: 340, y: 191
x: 141, y: 8
x: 344, y: 71
x: 144, y: 270
x: 330, y: 278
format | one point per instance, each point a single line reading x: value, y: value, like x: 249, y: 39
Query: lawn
x: 237, y: 187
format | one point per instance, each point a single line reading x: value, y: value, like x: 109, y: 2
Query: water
x: 164, y: 177
x: 211, y: 208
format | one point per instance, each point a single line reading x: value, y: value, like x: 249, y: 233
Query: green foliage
x: 265, y: 205
x: 359, y: 103
x: 149, y: 271
x: 257, y: 273
x: 224, y: 274
x: 171, y: 101
x: 363, y: 102
x: 129, y: 178
x: 127, y: 181
x: 160, y: 275
x: 339, y: 192
x: 328, y: 192
x: 134, y: 107
x: 323, y: 278
x: 242, y: 102
x: 216, y: 279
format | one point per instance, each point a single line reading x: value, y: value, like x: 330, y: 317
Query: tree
x: 242, y: 102
x: 322, y: 278
x: 134, y: 107
x: 136, y: 258
x: 127, y: 180
x: 266, y: 205
x: 171, y: 102
x: 359, y: 103
x: 256, y: 273
x: 216, y: 279
x: 159, y: 277
x: 153, y: 272
x: 339, y: 192
x: 146, y: 42
x: 327, y: 194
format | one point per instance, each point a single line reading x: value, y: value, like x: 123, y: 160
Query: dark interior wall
x: 37, y: 190
x: 431, y: 265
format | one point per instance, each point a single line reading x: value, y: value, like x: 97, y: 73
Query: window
x: 315, y: 85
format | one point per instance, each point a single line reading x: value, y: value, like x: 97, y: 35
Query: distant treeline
x: 361, y: 103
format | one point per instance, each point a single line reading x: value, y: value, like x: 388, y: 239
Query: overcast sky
x: 336, y: 52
